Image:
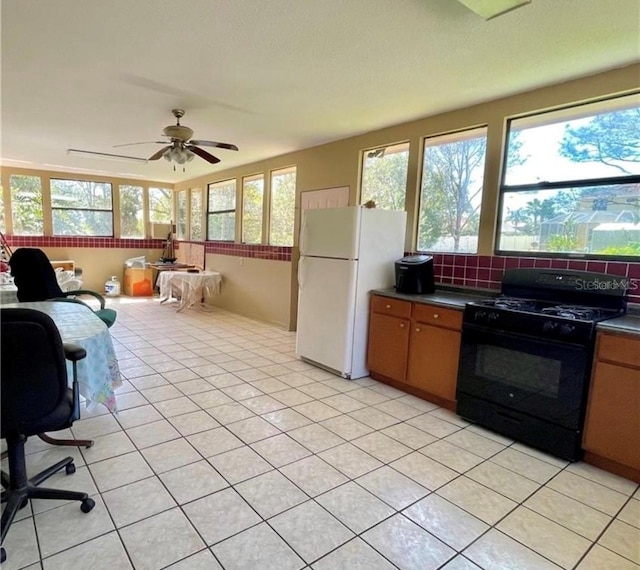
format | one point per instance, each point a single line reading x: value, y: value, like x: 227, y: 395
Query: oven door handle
x: 488, y: 331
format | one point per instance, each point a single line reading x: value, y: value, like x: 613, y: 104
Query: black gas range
x: 525, y: 359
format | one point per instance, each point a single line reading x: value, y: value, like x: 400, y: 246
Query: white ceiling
x: 273, y: 76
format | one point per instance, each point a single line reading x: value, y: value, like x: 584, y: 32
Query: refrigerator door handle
x: 303, y: 227
x: 301, y: 272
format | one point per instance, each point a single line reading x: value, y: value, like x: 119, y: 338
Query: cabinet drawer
x: 388, y: 306
x: 438, y: 316
x: 620, y: 349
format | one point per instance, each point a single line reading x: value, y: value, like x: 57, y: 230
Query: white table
x: 98, y: 373
x: 8, y: 293
x: 192, y: 288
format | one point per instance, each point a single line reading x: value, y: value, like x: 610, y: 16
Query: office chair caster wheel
x: 3, y: 555
x: 90, y: 444
x: 70, y: 469
x: 87, y: 505
x: 24, y: 503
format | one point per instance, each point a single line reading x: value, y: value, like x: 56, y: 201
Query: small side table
x: 160, y: 267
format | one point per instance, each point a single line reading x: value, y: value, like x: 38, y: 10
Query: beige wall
x: 337, y: 163
x: 98, y: 265
x: 267, y: 290
x: 256, y: 288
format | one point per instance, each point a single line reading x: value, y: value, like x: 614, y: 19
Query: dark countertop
x: 454, y: 299
x: 457, y: 298
x: 629, y: 324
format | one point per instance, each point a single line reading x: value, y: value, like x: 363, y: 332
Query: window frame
x: 52, y: 181
x: 249, y: 179
x: 14, y: 210
x: 183, y: 204
x: 127, y: 187
x: 449, y: 137
x: 234, y: 210
x: 383, y: 150
x: 272, y: 174
x: 151, y: 210
x: 193, y: 215
x: 571, y: 111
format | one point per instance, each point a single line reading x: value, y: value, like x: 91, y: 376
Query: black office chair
x: 35, y: 398
x: 35, y: 279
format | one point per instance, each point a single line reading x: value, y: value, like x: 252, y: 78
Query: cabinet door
x: 612, y: 426
x: 388, y: 346
x: 433, y: 360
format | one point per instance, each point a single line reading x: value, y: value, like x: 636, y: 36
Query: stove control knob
x: 567, y: 329
x: 549, y: 327
x: 480, y: 316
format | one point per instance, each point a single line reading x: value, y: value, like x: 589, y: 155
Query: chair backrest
x: 33, y: 369
x: 33, y: 275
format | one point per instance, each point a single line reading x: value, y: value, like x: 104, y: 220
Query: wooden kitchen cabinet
x: 434, y: 347
x: 416, y: 347
x: 612, y: 425
x: 388, y: 346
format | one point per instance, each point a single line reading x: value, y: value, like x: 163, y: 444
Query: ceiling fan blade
x: 145, y: 142
x: 216, y: 144
x: 203, y: 154
x: 159, y: 154
x: 103, y: 155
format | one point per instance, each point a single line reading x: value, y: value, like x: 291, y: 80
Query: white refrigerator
x: 344, y: 253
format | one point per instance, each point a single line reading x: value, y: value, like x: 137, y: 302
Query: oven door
x: 541, y: 378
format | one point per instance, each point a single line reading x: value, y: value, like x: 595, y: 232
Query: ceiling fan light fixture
x: 492, y: 8
x: 178, y: 154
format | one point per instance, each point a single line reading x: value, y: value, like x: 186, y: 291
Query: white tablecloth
x: 98, y: 373
x: 192, y: 288
x: 8, y: 293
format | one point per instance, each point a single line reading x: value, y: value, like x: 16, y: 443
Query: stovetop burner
x: 575, y: 312
x: 510, y: 303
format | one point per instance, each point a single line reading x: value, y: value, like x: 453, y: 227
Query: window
x: 571, y: 182
x: 252, y: 195
x: 283, y: 200
x: 182, y: 215
x: 451, y: 191
x: 384, y: 176
x: 26, y: 205
x: 221, y: 211
x: 196, y: 215
x: 131, y: 212
x: 160, y: 205
x: 81, y: 208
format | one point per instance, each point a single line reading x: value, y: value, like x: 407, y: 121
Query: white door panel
x: 325, y: 198
x: 326, y: 312
x: 330, y: 232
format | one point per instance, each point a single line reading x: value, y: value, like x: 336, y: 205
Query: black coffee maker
x: 414, y: 275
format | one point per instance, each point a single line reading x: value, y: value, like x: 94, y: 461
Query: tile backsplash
x: 97, y: 242
x: 274, y: 253
x: 485, y: 271
x: 462, y: 270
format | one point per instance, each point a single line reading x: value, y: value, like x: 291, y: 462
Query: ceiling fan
x: 182, y: 147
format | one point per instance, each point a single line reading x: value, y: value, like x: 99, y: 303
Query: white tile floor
x: 229, y: 453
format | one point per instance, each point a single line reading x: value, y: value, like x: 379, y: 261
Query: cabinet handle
x: 388, y: 306
x: 418, y: 329
x: 436, y: 316
x: 401, y: 325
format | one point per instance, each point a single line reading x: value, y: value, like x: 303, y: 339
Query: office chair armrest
x: 85, y: 292
x: 74, y: 352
